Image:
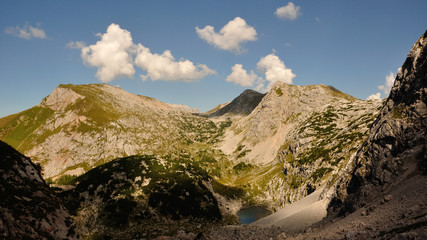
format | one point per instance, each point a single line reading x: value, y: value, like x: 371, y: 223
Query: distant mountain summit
x: 77, y: 127
x: 244, y: 104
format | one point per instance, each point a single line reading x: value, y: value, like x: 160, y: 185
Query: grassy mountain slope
x: 81, y: 126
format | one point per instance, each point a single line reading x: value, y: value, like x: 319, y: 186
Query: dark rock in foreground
x: 28, y: 208
x: 143, y: 197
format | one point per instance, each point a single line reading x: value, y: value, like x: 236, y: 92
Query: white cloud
x: 115, y: 55
x: 271, y: 66
x: 376, y: 96
x: 230, y: 37
x: 112, y: 55
x: 165, y: 67
x: 260, y: 88
x: 290, y: 11
x: 274, y: 70
x: 317, y: 19
x: 76, y: 45
x: 389, y: 81
x: 240, y: 76
x: 26, y: 32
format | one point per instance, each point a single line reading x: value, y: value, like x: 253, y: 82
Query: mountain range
x: 122, y: 166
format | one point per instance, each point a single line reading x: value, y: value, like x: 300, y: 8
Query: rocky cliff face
x: 397, y: 143
x: 28, y: 208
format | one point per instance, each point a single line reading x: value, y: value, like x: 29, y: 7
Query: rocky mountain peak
x: 68, y: 94
x: 410, y: 84
x: 244, y: 104
x: 278, y: 111
x: 60, y: 98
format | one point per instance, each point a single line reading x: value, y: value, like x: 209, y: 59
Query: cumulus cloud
x: 389, y: 81
x: 26, y: 32
x: 273, y: 69
x: 290, y: 12
x: 230, y: 37
x: 376, y: 96
x: 76, y: 45
x: 241, y: 77
x: 115, y: 55
x: 165, y: 67
x: 112, y: 55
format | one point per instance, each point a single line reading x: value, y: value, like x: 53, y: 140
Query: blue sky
x: 351, y: 45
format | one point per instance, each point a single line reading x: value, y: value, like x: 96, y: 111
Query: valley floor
x: 401, y: 213
x: 298, y: 215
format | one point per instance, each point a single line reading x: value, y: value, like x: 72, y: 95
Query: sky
x: 202, y: 53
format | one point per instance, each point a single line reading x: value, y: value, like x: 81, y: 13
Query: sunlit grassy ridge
x: 18, y: 130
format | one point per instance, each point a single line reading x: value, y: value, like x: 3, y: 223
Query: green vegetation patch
x: 230, y: 192
x: 66, y: 180
x: 243, y: 153
x: 398, y: 113
x: 295, y: 181
x: 242, y: 167
x: 17, y: 132
x: 292, y: 118
x: 319, y: 173
x: 337, y: 93
x: 314, y: 154
x: 278, y: 91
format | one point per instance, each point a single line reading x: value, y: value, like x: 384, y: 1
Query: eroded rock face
x: 398, y: 137
x: 28, y: 209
